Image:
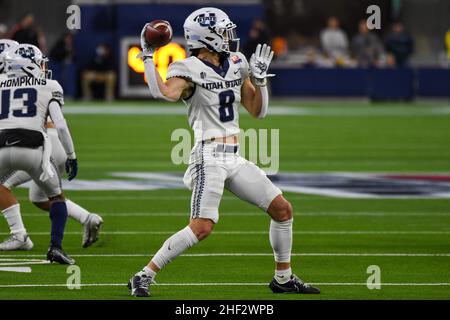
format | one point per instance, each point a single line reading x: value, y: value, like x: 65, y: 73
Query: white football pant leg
x: 28, y: 160
x: 59, y: 157
x: 251, y: 184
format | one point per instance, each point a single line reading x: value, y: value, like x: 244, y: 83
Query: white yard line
x: 262, y: 214
x: 160, y: 198
x: 220, y: 284
x: 243, y: 232
x: 276, y: 110
x: 242, y: 254
x: 23, y: 263
x: 16, y: 269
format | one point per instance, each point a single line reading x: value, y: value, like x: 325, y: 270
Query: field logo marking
x: 74, y: 279
x: 16, y: 264
x: 16, y: 269
x: 374, y: 280
x: 331, y: 184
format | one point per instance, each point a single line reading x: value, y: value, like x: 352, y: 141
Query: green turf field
x: 335, y: 239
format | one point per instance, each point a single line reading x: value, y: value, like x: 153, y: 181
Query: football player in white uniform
x: 5, y: 46
x: 19, y: 239
x: 27, y: 98
x: 212, y: 83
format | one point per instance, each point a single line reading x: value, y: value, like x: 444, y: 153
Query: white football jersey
x: 213, y: 108
x: 24, y: 101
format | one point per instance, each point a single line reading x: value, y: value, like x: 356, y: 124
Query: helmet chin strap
x: 222, y: 55
x: 208, y: 46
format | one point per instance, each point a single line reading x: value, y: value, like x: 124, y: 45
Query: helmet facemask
x: 230, y: 41
x: 47, y: 73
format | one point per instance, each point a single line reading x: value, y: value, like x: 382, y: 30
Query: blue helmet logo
x: 207, y: 20
x: 27, y: 52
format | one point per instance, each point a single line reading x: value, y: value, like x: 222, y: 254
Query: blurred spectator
x: 100, y: 71
x: 3, y: 30
x: 313, y: 59
x: 334, y: 41
x: 366, y: 47
x: 400, y: 44
x: 390, y: 61
x: 26, y: 31
x: 62, y: 64
x: 257, y: 34
x: 279, y: 46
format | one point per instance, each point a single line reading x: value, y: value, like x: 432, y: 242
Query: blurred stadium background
x: 321, y: 45
x: 364, y: 120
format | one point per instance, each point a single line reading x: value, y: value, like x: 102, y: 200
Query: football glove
x: 71, y: 168
x: 147, y: 50
x: 259, y: 64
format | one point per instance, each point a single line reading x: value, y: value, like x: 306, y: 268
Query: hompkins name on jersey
x: 213, y: 107
x: 32, y: 91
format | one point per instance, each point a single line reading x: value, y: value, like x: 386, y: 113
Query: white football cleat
x: 17, y: 242
x: 91, y: 229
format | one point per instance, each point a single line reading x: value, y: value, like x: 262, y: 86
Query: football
x: 158, y: 33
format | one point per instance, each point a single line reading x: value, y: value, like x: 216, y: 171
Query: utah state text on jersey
x: 222, y: 84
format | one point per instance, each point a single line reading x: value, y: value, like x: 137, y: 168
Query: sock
x: 280, y: 235
x: 149, y: 272
x: 283, y: 276
x: 58, y: 216
x: 76, y: 212
x: 174, y: 246
x: 14, y: 219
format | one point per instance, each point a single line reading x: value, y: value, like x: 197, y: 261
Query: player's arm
x: 253, y: 98
x: 254, y: 93
x: 171, y: 90
x: 65, y: 137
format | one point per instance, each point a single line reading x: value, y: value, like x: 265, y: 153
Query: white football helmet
x: 211, y: 28
x: 5, y: 46
x: 27, y: 59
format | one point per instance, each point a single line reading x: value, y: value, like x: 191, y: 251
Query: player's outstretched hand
x: 147, y: 50
x: 71, y: 168
x: 259, y: 64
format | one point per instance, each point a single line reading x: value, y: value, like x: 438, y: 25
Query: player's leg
x: 19, y: 239
x: 91, y: 222
x: 207, y: 185
x: 197, y: 230
x: 251, y: 184
x: 58, y: 208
